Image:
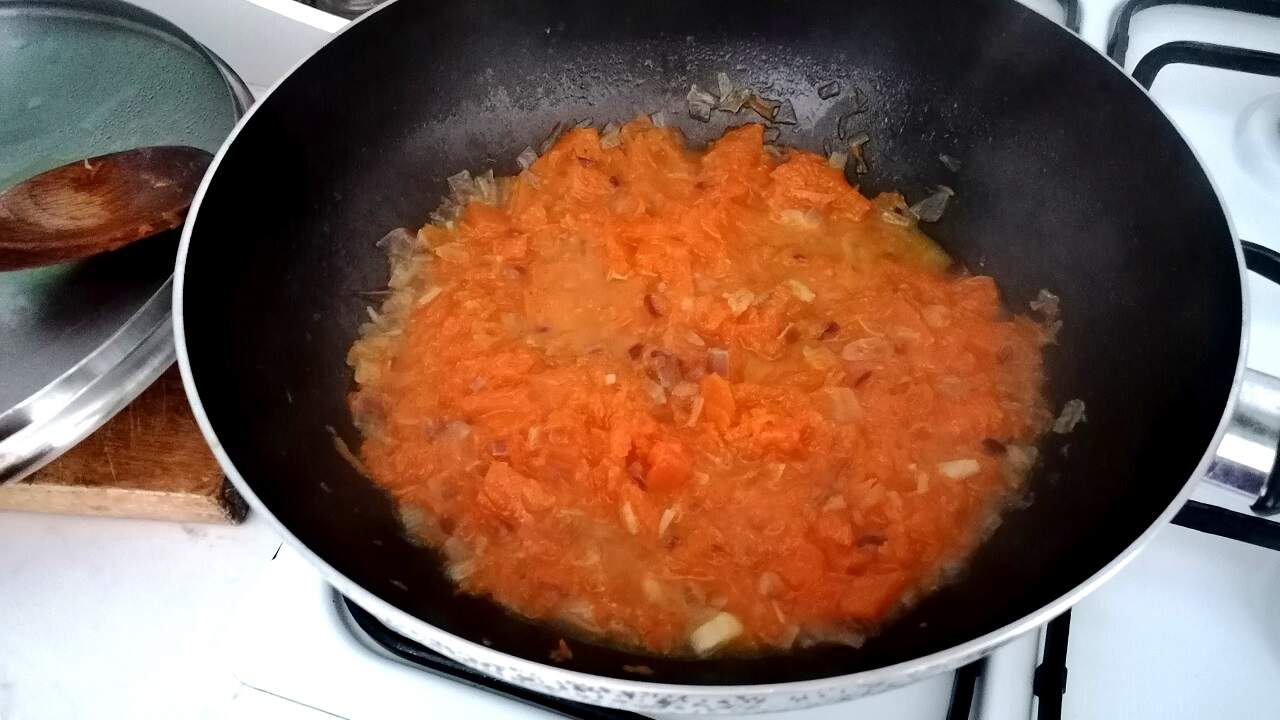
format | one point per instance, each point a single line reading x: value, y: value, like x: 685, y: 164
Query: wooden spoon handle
x: 96, y: 205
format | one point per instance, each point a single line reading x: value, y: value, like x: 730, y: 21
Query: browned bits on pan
x: 993, y: 446
x: 657, y: 305
x: 561, y: 652
x: 830, y: 331
x: 636, y: 351
x: 614, y: 181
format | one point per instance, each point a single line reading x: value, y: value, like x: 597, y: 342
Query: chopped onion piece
x: 715, y: 632
x: 656, y: 393
x: 819, y: 358
x: 771, y: 135
x: 800, y: 290
x: 550, y: 140
x: 936, y: 316
x: 764, y: 107
x: 629, y: 518
x: 461, y: 185
x: 684, y: 389
x: 668, y: 516
x: 487, y: 188
x: 733, y: 101
x: 846, y: 124
x: 610, y: 379
x: 840, y: 404
x: 739, y: 301
x: 431, y: 293
x: 830, y: 90
x: 838, y: 160
x: 1072, y: 414
x: 718, y: 361
x: 931, y: 208
x: 415, y: 523
x: 951, y: 163
x: 768, y: 583
x: 453, y: 252
x: 611, y: 136
x: 1046, y: 303
x: 723, y: 84
x: 786, y: 113
x: 695, y: 412
x: 652, y: 590
x: 526, y: 158
x: 700, y: 103
x: 894, y: 218
x: 582, y: 124
x: 835, y: 503
x: 1018, y: 460
x: 855, y: 150
x: 659, y: 119
x: 398, y: 242
x: 959, y: 469
x: 868, y: 348
x: 461, y: 571
x: 456, y: 430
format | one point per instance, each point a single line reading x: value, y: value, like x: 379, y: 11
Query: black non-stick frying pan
x: 1071, y: 180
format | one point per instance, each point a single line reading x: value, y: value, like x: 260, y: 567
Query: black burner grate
x: 1118, y: 44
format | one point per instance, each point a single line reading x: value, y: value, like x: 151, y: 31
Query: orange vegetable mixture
x: 694, y: 401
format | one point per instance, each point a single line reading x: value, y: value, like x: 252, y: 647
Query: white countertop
x: 110, y: 618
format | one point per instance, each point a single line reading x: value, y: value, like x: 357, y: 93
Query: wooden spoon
x: 99, y: 204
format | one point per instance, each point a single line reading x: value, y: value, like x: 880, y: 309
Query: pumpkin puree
x: 646, y: 390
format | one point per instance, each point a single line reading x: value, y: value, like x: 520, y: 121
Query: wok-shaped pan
x: 1071, y: 180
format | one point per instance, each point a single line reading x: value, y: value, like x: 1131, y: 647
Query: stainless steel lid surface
x: 80, y: 78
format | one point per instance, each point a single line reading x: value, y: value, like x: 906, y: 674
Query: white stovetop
x: 133, y: 619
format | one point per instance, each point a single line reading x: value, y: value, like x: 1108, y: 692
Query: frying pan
x: 1071, y: 180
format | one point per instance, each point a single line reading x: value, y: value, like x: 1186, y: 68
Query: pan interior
x: 1071, y: 180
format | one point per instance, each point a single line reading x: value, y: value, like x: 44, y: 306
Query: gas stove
x: 1187, y: 630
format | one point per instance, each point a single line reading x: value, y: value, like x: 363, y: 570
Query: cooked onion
x: 1046, y: 303
x: 786, y: 113
x: 718, y: 361
x: 739, y: 301
x: 700, y: 103
x: 830, y: 90
x: 695, y: 412
x: 611, y: 136
x: 951, y: 163
x: 1072, y: 414
x: 526, y: 158
x: 800, y: 290
x: 715, y: 632
x: 629, y: 518
x: 931, y: 208
x: 668, y: 516
x: 959, y: 469
x: 855, y: 149
x: 764, y: 107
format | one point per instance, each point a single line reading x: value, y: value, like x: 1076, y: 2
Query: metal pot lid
x: 80, y: 340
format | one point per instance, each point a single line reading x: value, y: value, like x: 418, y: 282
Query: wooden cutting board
x: 149, y: 461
